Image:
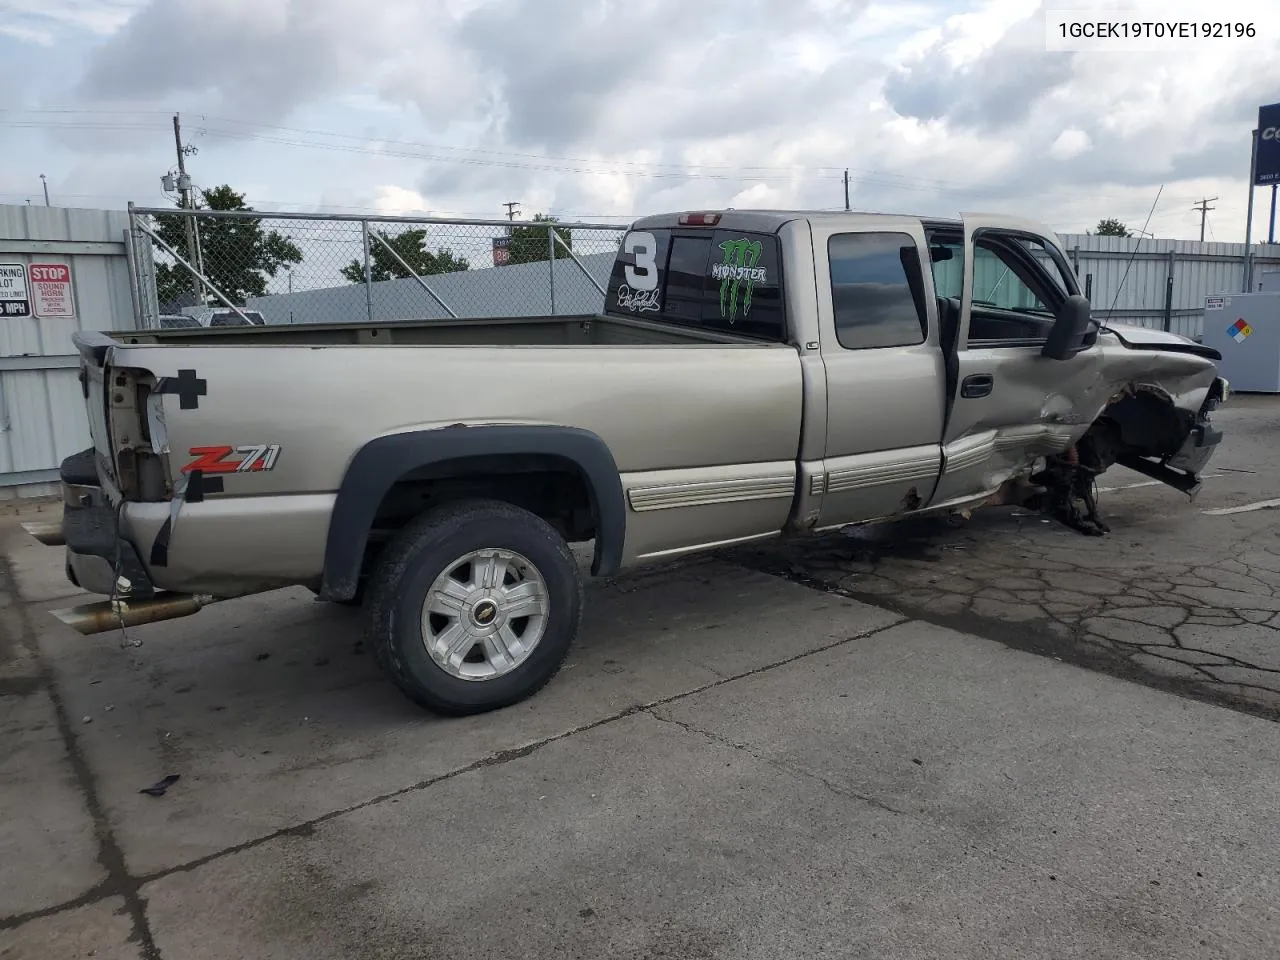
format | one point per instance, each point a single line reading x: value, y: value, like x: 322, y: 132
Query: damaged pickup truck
x: 752, y: 374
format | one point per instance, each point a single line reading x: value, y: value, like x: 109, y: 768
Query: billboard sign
x: 1267, y: 170
x: 501, y: 251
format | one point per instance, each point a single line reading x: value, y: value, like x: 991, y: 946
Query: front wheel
x: 473, y: 607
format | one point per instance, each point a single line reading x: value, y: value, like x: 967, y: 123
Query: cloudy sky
x: 604, y: 109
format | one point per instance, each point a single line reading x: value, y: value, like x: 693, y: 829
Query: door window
x: 996, y: 285
x: 876, y: 290
x: 1017, y: 286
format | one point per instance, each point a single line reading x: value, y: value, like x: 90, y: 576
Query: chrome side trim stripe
x: 671, y: 496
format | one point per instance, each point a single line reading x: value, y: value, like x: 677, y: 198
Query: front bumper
x: 1197, y: 449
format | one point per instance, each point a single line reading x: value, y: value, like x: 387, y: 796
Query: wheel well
x: 1144, y: 423
x: 549, y: 486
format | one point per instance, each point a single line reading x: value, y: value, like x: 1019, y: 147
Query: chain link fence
x: 204, y: 267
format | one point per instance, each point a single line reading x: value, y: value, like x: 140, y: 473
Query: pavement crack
x: 119, y: 882
x: 1078, y: 595
x: 307, y: 828
x: 787, y: 768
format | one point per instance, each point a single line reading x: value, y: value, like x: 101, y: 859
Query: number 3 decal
x: 644, y: 275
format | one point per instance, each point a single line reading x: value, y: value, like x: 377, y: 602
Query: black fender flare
x: 382, y: 461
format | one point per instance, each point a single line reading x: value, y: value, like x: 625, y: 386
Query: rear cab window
x: 721, y: 280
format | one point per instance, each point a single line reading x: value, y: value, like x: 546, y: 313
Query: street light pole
x: 45, y: 183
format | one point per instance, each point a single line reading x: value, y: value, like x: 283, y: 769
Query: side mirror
x: 1072, y: 329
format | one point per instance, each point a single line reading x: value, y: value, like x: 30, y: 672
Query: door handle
x: 977, y: 385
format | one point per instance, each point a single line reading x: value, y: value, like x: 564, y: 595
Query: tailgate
x: 94, y: 350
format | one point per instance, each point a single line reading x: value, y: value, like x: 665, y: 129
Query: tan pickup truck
x: 752, y: 373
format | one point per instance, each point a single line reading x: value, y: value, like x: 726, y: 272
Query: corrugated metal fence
x: 1167, y: 280
x: 61, y: 270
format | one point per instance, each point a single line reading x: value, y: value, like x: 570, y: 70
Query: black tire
x: 425, y: 549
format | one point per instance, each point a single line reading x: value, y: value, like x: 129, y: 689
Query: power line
x: 489, y: 157
x: 594, y: 167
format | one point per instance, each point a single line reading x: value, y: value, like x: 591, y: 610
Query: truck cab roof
x: 771, y: 221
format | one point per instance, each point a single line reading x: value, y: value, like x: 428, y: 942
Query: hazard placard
x: 14, y: 301
x: 51, y: 289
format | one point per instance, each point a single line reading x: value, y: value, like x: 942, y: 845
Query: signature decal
x: 639, y: 301
x: 253, y: 458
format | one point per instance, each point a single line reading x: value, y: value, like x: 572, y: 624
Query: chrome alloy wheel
x: 485, y: 614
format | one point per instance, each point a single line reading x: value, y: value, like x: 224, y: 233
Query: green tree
x: 529, y: 243
x: 411, y: 245
x: 1110, y: 227
x: 237, y: 253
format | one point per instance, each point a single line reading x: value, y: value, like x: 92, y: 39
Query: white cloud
x: 30, y: 34
x: 1070, y: 143
x: 398, y: 201
x: 96, y: 16
x: 595, y: 109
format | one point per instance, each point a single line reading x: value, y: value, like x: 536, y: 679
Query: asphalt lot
x: 994, y: 738
x: 1181, y: 595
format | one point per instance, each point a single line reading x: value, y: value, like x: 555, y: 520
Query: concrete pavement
x: 731, y: 765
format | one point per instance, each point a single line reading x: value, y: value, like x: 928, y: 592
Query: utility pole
x: 186, y: 203
x: 846, y: 188
x: 1204, y: 208
x: 511, y: 210
x: 45, y: 184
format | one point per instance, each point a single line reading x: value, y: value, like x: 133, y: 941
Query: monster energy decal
x: 738, y: 273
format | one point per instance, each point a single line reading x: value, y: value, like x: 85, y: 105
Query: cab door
x: 1006, y: 406
x: 885, y: 380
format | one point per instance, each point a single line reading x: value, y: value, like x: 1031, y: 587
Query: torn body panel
x: 1155, y: 420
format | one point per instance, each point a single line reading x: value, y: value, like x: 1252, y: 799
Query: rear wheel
x: 473, y: 606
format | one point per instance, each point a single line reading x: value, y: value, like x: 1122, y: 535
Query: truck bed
x: 575, y: 330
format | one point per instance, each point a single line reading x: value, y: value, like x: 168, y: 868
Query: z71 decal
x: 219, y: 460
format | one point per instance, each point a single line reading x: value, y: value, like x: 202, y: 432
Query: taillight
x: 699, y: 219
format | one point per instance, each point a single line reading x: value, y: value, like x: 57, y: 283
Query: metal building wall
x: 42, y: 416
x: 518, y: 290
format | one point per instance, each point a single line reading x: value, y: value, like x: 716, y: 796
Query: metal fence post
x: 135, y: 281
x: 1168, y: 293
x: 413, y: 273
x: 581, y: 266
x: 199, y: 277
x: 368, y: 274
x: 551, y: 263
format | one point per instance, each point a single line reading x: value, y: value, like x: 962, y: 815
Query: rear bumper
x: 98, y: 558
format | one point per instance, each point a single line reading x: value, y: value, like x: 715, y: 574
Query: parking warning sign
x: 51, y: 289
x: 14, y: 301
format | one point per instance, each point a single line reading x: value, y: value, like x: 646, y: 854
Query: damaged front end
x: 1143, y: 428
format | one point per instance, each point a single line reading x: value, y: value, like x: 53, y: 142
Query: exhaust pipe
x: 90, y: 618
x: 46, y: 531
